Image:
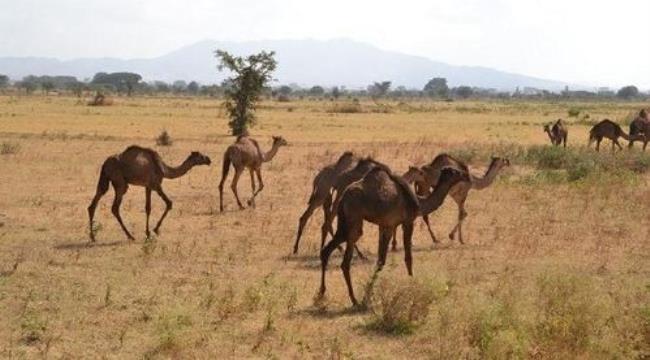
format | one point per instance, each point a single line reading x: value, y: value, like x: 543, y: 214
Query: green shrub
x: 573, y: 112
x: 399, y: 307
x: 497, y: 333
x: 164, y: 139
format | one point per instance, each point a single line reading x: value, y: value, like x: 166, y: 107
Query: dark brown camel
x: 321, y: 194
x: 610, y: 130
x: 460, y: 191
x: 141, y: 167
x: 557, y: 132
x: 387, y: 201
x: 246, y: 153
x: 640, y: 129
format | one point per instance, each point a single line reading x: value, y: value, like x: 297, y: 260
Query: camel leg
x: 462, y: 214
x: 259, y: 189
x: 147, y: 208
x: 168, y: 206
x: 645, y: 143
x: 251, y: 202
x: 617, y: 144
x: 385, y: 234
x: 233, y: 186
x: 407, y: 228
x: 353, y: 235
x: 326, y: 252
x: 324, y: 230
x: 101, y: 190
x: 598, y: 144
x: 120, y: 189
x: 223, y: 180
x: 301, y: 225
x: 394, y: 239
x: 425, y: 218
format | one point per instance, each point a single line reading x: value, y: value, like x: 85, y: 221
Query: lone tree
x: 4, y: 81
x: 121, y: 81
x: 379, y: 89
x: 250, y: 76
x: 464, y: 92
x: 437, y: 87
x: 628, y: 92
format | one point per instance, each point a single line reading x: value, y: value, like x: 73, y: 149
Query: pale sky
x: 593, y: 42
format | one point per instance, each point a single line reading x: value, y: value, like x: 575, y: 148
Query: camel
x: 387, y: 201
x: 557, y: 132
x: 141, y: 167
x: 611, y: 130
x: 460, y: 191
x: 246, y: 153
x: 640, y: 129
x: 321, y: 194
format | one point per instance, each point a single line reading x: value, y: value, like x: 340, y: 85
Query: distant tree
x: 122, y: 81
x: 464, y: 92
x: 250, y: 77
x: 437, y: 87
x: 4, y: 81
x: 47, y: 86
x: 179, y: 86
x: 28, y: 83
x: 285, y: 90
x: 316, y: 91
x: 379, y: 89
x: 628, y: 92
x: 161, y: 86
x: 336, y: 92
x: 193, y: 87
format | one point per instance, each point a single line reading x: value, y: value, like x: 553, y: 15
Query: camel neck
x: 171, y: 172
x: 432, y: 202
x: 480, y: 183
x: 409, y: 177
x: 550, y: 134
x: 271, y: 153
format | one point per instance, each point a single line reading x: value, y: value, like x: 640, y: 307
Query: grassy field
x: 556, y: 262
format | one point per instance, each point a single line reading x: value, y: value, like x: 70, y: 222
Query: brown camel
x: 321, y: 194
x: 557, y: 132
x: 640, y: 129
x: 246, y: 153
x: 387, y: 201
x: 142, y: 167
x: 460, y: 191
x: 610, y: 130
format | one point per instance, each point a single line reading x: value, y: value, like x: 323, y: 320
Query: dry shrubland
x: 555, y: 263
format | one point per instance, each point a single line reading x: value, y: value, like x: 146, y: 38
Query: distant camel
x: 460, y: 191
x: 321, y: 194
x: 557, y: 132
x: 640, y: 127
x: 387, y: 201
x: 610, y: 130
x: 246, y: 153
x: 142, y: 167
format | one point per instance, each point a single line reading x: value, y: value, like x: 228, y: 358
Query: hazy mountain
x: 304, y: 62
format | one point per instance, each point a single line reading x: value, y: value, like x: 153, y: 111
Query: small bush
x: 399, y: 307
x: 548, y: 157
x: 9, y: 148
x: 345, y: 108
x: 170, y: 327
x: 573, y: 112
x: 164, y: 139
x: 283, y: 98
x: 581, y: 168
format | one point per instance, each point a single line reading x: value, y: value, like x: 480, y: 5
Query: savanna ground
x: 556, y: 262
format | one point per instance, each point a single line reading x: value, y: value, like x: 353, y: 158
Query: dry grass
x: 552, y: 268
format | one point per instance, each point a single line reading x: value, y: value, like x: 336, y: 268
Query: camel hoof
x: 451, y: 236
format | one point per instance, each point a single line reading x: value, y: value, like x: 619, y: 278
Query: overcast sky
x: 590, y: 42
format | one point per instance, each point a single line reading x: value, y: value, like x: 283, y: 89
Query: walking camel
x: 557, y: 132
x: 246, y: 153
x: 141, y: 167
x: 321, y: 194
x: 387, y: 201
x: 640, y: 129
x: 461, y: 190
x: 363, y: 167
x: 610, y: 130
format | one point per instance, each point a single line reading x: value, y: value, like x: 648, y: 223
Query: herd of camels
x: 353, y: 189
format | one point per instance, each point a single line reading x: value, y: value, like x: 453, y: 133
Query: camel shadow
x: 312, y: 262
x: 88, y: 245
x: 319, y: 313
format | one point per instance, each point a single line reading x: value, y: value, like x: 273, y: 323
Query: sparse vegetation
x: 164, y: 139
x: 9, y: 148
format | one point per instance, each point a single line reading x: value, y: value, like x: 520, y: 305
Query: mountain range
x: 340, y: 62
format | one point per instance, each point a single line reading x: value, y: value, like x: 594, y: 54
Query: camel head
x: 196, y: 158
x: 643, y: 114
x: 499, y: 163
x: 547, y: 128
x: 279, y: 141
x: 414, y: 174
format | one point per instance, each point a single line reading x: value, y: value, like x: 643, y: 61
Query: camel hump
x: 411, y: 198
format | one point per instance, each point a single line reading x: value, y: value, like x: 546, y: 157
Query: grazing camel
x: 142, y: 167
x: 460, y: 191
x: 557, y: 132
x: 640, y: 129
x: 387, y: 201
x: 611, y: 130
x: 321, y: 194
x: 246, y: 153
